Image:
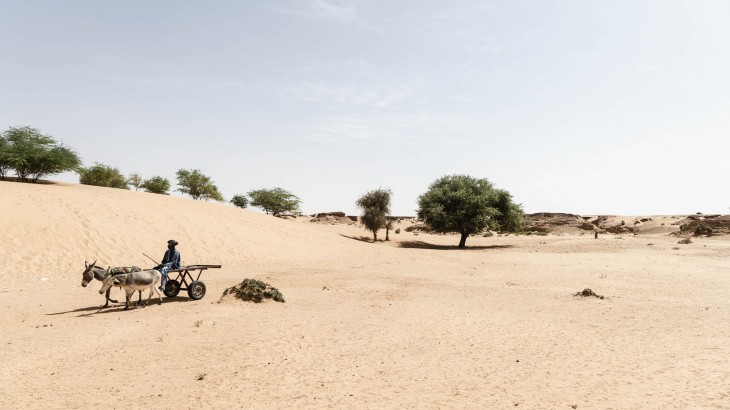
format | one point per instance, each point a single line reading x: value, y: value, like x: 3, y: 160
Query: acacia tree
x: 375, y: 207
x: 135, y: 180
x: 34, y: 155
x: 463, y: 204
x: 102, y: 175
x: 240, y: 201
x: 156, y: 185
x: 274, y: 200
x: 197, y: 185
x: 5, y: 161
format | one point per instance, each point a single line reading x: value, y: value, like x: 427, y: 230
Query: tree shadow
x: 426, y: 245
x: 93, y: 310
x: 359, y: 238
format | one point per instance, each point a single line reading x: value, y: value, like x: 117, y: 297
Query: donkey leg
x: 140, y: 296
x: 154, y: 287
x: 129, y: 296
x: 148, y: 298
x: 108, y: 299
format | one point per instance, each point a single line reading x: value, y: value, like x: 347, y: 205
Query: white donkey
x: 94, y: 272
x: 134, y: 281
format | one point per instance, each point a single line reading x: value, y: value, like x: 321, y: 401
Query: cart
x: 186, y: 280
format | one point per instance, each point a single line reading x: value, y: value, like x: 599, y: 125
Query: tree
x: 156, y: 185
x: 375, y: 207
x: 33, y: 155
x: 463, y: 204
x: 274, y: 200
x: 102, y: 175
x: 5, y: 158
x: 135, y: 180
x: 240, y: 201
x: 197, y: 185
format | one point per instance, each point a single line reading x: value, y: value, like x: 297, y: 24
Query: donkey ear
x: 94, y: 263
x: 116, y: 281
x: 86, y: 264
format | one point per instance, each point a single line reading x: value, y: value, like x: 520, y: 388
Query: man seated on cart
x: 171, y: 260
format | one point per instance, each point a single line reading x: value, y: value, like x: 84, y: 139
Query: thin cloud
x: 341, y: 10
x: 177, y: 82
x: 354, y: 95
x: 402, y: 131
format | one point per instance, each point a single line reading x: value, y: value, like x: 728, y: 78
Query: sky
x: 588, y: 107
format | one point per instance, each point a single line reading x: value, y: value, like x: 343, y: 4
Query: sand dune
x: 410, y: 323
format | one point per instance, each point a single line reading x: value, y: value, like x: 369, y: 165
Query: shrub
x: 397, y: 231
x: 703, y: 229
x: 135, y: 180
x: 240, y: 201
x: 102, y: 175
x: 157, y: 185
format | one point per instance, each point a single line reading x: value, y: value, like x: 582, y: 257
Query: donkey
x: 94, y: 272
x: 146, y: 279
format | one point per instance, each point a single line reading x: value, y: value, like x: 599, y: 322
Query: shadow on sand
x: 426, y: 245
x: 93, y: 310
x: 359, y: 238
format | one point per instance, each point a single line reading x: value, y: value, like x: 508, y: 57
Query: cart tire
x: 172, y: 288
x: 196, y: 290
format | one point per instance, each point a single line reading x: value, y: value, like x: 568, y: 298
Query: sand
x: 413, y: 323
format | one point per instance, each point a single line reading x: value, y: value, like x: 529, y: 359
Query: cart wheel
x: 172, y: 288
x: 196, y: 290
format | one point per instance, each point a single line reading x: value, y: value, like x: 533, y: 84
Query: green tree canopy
x: 463, y: 204
x: 156, y: 185
x: 240, y: 201
x: 34, y: 155
x: 197, y: 185
x: 375, y: 207
x: 102, y: 175
x: 5, y: 157
x: 274, y: 200
x: 135, y: 180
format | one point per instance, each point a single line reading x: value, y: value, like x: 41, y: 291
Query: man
x: 171, y: 260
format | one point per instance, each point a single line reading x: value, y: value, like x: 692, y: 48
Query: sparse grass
x: 201, y: 376
x: 160, y: 339
x: 489, y: 234
x: 650, y: 244
x: 198, y: 323
x: 676, y: 248
x: 603, y: 276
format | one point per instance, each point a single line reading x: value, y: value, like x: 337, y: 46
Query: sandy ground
x: 413, y: 323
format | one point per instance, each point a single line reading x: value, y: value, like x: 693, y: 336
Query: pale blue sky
x: 612, y: 107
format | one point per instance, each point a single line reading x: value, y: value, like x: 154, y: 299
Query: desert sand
x: 411, y: 323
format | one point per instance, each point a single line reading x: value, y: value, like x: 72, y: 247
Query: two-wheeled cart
x: 186, y: 280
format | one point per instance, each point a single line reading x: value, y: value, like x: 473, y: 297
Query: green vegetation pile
x: 588, y: 292
x: 253, y: 290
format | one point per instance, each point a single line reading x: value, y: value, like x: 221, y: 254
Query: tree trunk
x: 462, y: 242
x: 386, y: 234
x: 375, y: 236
